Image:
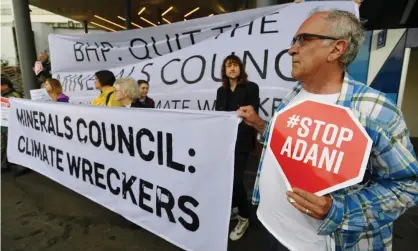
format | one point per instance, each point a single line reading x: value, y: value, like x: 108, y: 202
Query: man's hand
x: 251, y: 118
x: 310, y: 204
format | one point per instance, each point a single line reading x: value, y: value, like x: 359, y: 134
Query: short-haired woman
x: 126, y: 92
x: 104, y: 83
x: 54, y: 89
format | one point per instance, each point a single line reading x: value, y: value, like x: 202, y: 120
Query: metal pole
x: 86, y: 26
x: 128, y: 14
x: 404, y: 74
x: 25, y: 44
x: 160, y: 17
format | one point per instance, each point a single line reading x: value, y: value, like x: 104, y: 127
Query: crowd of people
x: 323, y: 47
x: 124, y: 92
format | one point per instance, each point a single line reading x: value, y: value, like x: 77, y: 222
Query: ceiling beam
x: 408, y: 9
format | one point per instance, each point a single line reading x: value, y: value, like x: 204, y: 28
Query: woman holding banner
x: 237, y: 91
x: 54, y: 89
x: 104, y: 82
x: 126, y: 92
x: 144, y: 101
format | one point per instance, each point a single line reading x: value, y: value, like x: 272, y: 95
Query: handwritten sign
x: 40, y: 95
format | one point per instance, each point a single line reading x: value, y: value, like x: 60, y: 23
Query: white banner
x: 182, y: 61
x: 5, y: 107
x: 170, y: 172
x: 83, y: 100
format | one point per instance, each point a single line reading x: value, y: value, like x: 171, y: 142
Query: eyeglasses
x: 299, y: 39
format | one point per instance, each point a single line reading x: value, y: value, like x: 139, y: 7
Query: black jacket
x: 246, y: 94
x: 149, y: 103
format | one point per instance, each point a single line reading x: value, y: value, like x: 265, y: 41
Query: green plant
x: 4, y: 63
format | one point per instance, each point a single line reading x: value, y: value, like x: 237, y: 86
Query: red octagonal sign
x: 319, y: 148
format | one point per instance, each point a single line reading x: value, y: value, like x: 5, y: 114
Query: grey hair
x: 129, y: 87
x: 345, y: 25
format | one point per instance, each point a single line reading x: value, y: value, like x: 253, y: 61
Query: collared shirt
x: 361, y: 216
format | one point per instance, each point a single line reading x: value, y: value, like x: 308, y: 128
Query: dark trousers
x: 4, y: 162
x: 239, y: 195
x: 272, y: 243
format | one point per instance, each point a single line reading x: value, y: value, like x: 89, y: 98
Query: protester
x: 126, y: 92
x: 104, y: 82
x: 144, y: 100
x: 7, y: 88
x: 359, y: 217
x: 7, y: 91
x: 42, y: 76
x: 42, y: 69
x: 54, y: 89
x: 237, y: 91
x: 46, y: 64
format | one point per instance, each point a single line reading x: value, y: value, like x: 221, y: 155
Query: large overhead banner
x: 182, y: 61
x: 171, y: 172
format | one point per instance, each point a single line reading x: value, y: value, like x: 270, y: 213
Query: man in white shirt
x: 359, y: 217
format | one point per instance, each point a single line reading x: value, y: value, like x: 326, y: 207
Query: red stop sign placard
x: 319, y: 148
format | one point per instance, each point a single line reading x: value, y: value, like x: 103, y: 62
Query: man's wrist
x: 335, y: 216
x: 261, y: 126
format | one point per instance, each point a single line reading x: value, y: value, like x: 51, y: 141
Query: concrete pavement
x: 41, y: 215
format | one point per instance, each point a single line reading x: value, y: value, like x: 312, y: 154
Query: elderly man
x: 359, y: 217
